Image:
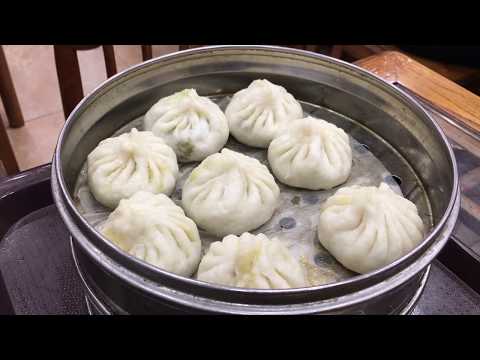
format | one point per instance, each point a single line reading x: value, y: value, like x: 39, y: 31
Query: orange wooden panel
x: 436, y: 89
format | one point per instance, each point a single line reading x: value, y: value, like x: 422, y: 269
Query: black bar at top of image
x: 223, y: 23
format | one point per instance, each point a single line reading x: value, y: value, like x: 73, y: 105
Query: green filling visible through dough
x: 295, y: 200
x: 185, y: 149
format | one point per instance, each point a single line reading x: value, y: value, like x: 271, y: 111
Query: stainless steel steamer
x: 394, y: 127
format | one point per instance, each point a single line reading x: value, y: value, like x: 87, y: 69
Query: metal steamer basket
x: 393, y: 126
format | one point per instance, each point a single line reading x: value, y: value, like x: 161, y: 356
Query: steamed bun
x: 366, y: 228
x: 312, y: 154
x: 152, y: 228
x: 258, y: 113
x: 251, y: 261
x: 120, y: 166
x: 230, y: 193
x: 194, y: 126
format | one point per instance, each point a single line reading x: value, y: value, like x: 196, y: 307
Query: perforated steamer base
x: 294, y: 223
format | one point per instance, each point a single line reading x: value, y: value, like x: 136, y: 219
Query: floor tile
x: 127, y: 55
x: 159, y: 50
x: 92, y: 68
x: 35, y: 142
x: 34, y: 75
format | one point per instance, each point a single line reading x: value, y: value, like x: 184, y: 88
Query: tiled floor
x: 35, y: 79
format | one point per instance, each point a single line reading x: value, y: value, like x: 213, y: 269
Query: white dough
x: 366, y: 228
x: 120, y: 166
x: 193, y: 125
x: 311, y: 154
x: 258, y: 113
x: 152, y: 228
x: 251, y: 261
x: 230, y: 193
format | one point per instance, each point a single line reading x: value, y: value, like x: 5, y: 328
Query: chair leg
x: 110, y: 63
x: 147, y: 52
x: 9, y: 97
x: 69, y: 78
x: 7, y: 156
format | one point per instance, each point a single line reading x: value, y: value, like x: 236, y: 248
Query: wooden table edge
x: 451, y: 98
